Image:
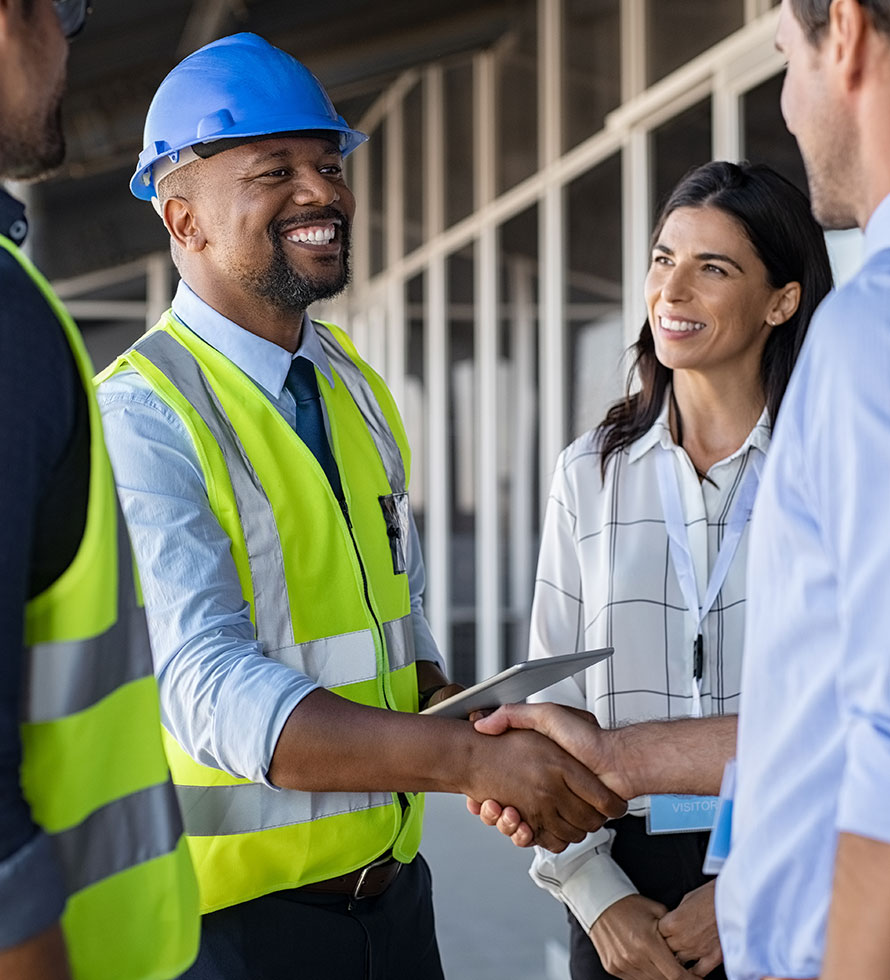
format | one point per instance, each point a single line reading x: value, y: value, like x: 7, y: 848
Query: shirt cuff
x: 276, y: 725
x: 32, y: 894
x: 587, y: 882
x: 862, y: 804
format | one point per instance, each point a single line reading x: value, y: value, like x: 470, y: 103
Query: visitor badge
x: 670, y: 814
x: 721, y: 835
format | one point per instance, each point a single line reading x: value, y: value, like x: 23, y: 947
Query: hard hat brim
x: 142, y: 184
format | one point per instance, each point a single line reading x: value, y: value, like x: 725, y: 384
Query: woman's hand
x: 691, y: 931
x: 629, y: 944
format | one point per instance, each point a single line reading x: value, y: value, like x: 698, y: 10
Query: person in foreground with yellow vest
x: 263, y: 469
x: 95, y: 877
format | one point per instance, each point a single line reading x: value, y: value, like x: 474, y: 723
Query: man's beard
x: 830, y: 208
x: 29, y: 151
x: 289, y: 291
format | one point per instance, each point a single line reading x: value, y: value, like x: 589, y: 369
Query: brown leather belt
x: 367, y: 882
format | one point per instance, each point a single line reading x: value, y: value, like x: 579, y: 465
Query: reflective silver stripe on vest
x: 66, y: 677
x: 120, y: 835
x: 399, y: 635
x: 360, y: 389
x: 272, y: 607
x: 211, y: 811
x: 333, y: 660
x: 348, y: 658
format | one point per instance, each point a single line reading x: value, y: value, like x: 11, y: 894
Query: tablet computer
x: 516, y: 683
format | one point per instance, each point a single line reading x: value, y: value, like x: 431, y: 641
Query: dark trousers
x: 663, y: 867
x: 293, y: 935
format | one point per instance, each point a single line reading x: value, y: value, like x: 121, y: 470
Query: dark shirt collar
x: 13, y: 223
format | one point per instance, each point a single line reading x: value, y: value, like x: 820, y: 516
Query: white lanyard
x: 681, y: 556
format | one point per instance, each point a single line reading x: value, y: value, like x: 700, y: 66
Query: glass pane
x: 458, y: 84
x: 517, y: 100
x: 593, y: 294
x: 764, y: 136
x: 414, y: 409
x: 463, y: 470
x: 414, y: 173
x: 518, y: 426
x: 678, y: 30
x: 677, y: 146
x: 376, y: 206
x: 591, y: 60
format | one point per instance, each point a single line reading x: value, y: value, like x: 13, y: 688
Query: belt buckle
x: 356, y: 894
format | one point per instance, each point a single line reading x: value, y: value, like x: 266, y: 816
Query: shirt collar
x: 660, y: 435
x: 877, y: 231
x: 264, y: 362
x: 13, y: 224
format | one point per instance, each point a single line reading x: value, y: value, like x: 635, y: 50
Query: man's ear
x: 181, y: 221
x: 848, y: 33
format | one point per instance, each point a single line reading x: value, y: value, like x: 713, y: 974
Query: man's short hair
x: 813, y: 16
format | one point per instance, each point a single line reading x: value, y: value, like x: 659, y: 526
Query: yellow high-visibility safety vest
x: 93, y: 767
x: 325, y: 591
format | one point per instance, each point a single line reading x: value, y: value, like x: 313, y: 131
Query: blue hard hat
x: 237, y: 87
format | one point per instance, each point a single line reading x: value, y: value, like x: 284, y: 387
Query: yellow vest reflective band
x: 324, y: 594
x: 93, y: 767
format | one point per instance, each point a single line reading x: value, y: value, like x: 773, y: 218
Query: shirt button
x: 17, y: 230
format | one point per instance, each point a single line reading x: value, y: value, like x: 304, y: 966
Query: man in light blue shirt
x: 271, y: 555
x: 245, y: 698
x: 805, y: 891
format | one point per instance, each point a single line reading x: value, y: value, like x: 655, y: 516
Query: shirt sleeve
x: 425, y: 647
x: 557, y: 615
x: 583, y: 877
x: 850, y: 447
x: 224, y: 702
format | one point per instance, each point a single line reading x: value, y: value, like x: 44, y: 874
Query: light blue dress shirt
x: 814, y: 729
x: 225, y: 701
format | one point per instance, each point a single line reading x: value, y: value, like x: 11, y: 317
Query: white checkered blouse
x: 605, y: 578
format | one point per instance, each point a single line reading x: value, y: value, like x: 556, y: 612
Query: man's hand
x: 576, y: 731
x: 691, y: 931
x: 430, y: 677
x: 629, y: 944
x: 560, y: 800
x: 549, y: 720
x: 507, y: 819
x: 331, y: 744
x: 444, y: 693
x: 683, y: 756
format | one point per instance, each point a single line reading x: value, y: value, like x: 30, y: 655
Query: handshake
x: 561, y: 776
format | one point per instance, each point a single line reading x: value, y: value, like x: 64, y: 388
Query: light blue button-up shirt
x: 814, y: 729
x: 224, y: 700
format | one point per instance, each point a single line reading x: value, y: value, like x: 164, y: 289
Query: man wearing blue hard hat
x: 95, y: 877
x: 263, y: 468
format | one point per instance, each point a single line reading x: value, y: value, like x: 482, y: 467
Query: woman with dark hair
x: 645, y: 539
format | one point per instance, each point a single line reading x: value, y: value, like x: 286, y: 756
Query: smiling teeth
x: 316, y: 236
x: 679, y: 326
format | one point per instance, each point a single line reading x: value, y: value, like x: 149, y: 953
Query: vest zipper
x: 343, y: 507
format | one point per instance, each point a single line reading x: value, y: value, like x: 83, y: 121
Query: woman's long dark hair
x: 776, y: 217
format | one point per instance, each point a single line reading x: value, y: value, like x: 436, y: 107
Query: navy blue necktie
x: 309, y: 426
